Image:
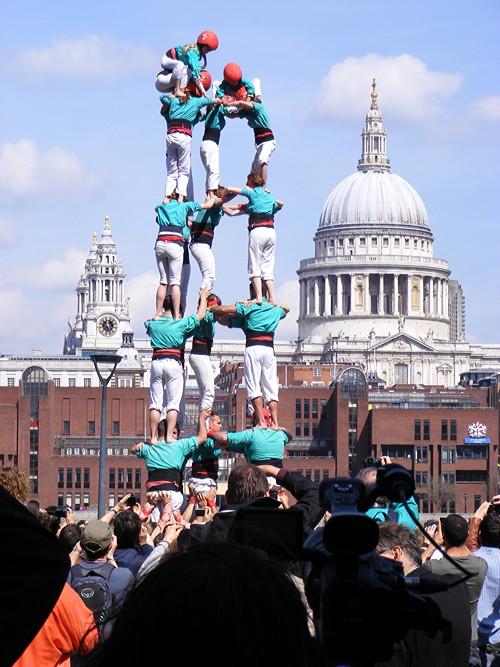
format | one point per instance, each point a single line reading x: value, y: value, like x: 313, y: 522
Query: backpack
x: 93, y: 588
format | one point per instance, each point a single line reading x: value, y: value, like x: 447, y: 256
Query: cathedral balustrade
x: 389, y: 260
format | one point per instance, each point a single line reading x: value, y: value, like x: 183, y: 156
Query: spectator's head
x: 15, y: 482
x: 127, y: 527
x: 162, y: 429
x: 489, y: 530
x: 398, y: 542
x: 455, y: 530
x: 368, y: 476
x: 96, y: 538
x: 241, y: 584
x: 255, y: 180
x: 212, y: 300
x: 246, y: 483
x: 69, y: 536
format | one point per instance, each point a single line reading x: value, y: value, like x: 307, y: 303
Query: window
x: 362, y: 242
x: 317, y: 474
x: 374, y: 240
x: 448, y: 477
x: 115, y: 430
x: 69, y: 499
x: 111, y: 500
x: 60, y: 478
x: 60, y: 499
x: 69, y: 478
x: 121, y: 480
x: 477, y: 502
x: 298, y: 408
x: 351, y: 242
x: 87, y: 382
x: 72, y: 382
x: 407, y: 243
x: 66, y: 429
x: 91, y: 428
x: 352, y: 384
x: 396, y: 242
x: 78, y: 501
x: 421, y: 477
x: 315, y: 430
x: 341, y: 243
x: 385, y: 241
x: 76, y: 451
x: 86, y: 478
x: 322, y: 402
x: 472, y: 452
x: 401, y: 373
x: 306, y: 430
x: 333, y: 372
x: 57, y: 382
x: 306, y: 408
x: 427, y: 429
x: 308, y: 473
x: 417, y: 430
x: 86, y: 499
x: 10, y: 382
x: 129, y: 478
x: 397, y: 451
x: 325, y: 473
x: 421, y: 454
x: 314, y: 408
x: 317, y: 372
x: 415, y: 243
x: 78, y: 478
x: 472, y: 476
x: 453, y: 430
x: 448, y: 455
x: 111, y: 478
x: 138, y: 472
x: 444, y: 429
x: 298, y: 429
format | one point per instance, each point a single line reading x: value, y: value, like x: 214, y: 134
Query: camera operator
x: 383, y: 511
x: 399, y: 543
x: 485, y: 526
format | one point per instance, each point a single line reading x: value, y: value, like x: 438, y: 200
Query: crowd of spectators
x: 83, y: 593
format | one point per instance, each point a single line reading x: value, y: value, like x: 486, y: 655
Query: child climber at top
x: 182, y: 63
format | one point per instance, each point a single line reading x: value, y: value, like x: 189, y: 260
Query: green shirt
x: 189, y: 110
x: 260, y: 201
x: 167, y: 455
x: 263, y: 317
x: 257, y: 116
x: 167, y: 333
x: 258, y: 444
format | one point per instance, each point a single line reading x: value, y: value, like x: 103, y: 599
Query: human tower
x: 188, y: 227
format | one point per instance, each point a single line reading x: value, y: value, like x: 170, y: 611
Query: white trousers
x: 204, y: 374
x: 171, y: 70
x: 166, y: 385
x: 178, y: 163
x: 169, y: 261
x: 202, y: 484
x: 204, y: 256
x: 263, y: 152
x: 261, y: 250
x: 209, y: 153
x: 261, y: 379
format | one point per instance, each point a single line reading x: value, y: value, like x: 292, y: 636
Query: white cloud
x: 487, y: 108
x: 405, y: 86
x: 10, y: 235
x: 90, y: 57
x: 55, y: 274
x: 27, y: 171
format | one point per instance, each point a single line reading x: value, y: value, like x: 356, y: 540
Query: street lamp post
x: 103, y: 363
x: 465, y: 503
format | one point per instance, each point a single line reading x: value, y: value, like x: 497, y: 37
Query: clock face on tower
x: 107, y: 325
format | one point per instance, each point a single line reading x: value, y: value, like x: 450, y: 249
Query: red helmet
x: 267, y: 416
x: 232, y: 73
x: 208, y: 39
x: 241, y: 93
x: 206, y: 82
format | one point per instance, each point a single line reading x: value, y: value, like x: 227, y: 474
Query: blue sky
x: 81, y: 137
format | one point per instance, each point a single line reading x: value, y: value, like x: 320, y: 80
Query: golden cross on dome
x: 106, y: 222
x: 374, y: 96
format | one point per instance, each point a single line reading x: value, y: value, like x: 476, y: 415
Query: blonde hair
x: 16, y: 483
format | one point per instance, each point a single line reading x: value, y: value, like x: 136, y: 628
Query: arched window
x: 35, y: 381
x: 352, y: 383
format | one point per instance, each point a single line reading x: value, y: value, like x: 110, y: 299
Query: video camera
x: 361, y: 602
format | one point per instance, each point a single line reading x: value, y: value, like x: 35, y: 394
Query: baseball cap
x: 96, y: 536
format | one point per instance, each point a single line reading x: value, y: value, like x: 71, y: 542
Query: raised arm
x: 202, y: 425
x: 223, y: 310
x: 202, y: 308
x: 233, y: 210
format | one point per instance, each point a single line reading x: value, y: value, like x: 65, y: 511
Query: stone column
x: 421, y: 301
x: 316, y: 297
x: 381, y: 294
x: 367, y: 294
x: 353, y: 296
x: 432, y: 305
x: 328, y: 297
x: 339, y: 294
x: 440, y: 309
x: 395, y: 308
x: 408, y: 294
